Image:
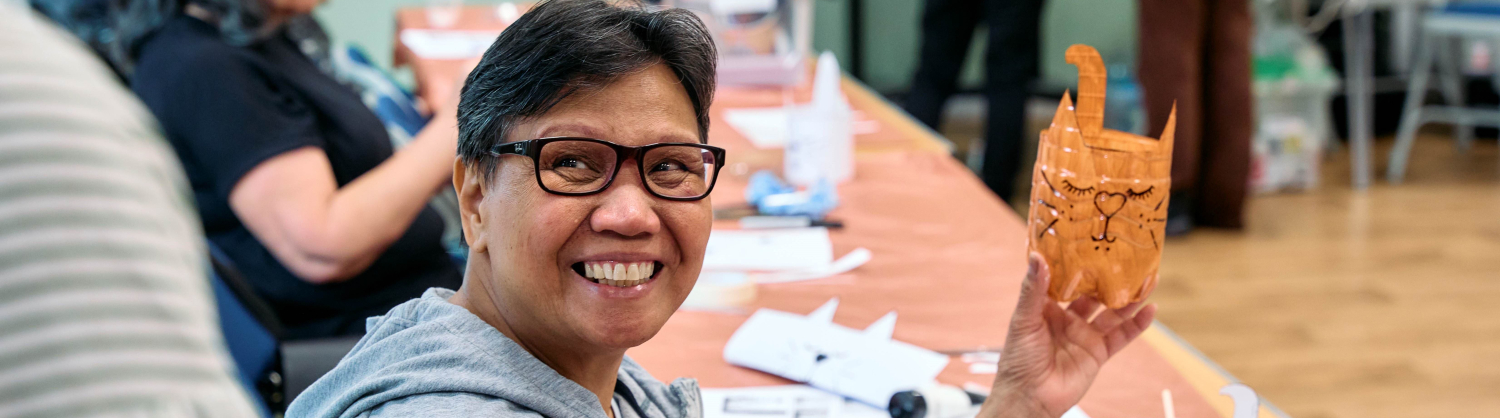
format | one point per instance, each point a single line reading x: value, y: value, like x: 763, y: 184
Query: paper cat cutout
x: 865, y: 365
x: 1099, y: 197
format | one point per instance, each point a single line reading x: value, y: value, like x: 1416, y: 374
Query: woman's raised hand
x: 1052, y: 354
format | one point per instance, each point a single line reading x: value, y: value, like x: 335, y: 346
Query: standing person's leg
x: 1010, y: 64
x: 1171, y: 71
x: 947, y: 28
x: 1229, y: 119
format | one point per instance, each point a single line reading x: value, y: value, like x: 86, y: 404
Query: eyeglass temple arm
x: 510, y: 148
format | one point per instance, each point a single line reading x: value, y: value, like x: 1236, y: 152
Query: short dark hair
x: 561, y: 47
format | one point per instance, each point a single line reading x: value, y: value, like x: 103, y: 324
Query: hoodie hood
x: 431, y: 347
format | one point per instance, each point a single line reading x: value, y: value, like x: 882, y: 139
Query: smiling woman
x: 583, y: 178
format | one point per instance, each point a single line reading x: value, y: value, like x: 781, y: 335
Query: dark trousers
x: 1010, y: 62
x: 1197, y: 53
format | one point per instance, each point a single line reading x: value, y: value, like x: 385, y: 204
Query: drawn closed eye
x: 1141, y: 195
x: 1067, y: 185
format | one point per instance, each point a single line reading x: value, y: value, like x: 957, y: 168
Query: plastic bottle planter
x: 1099, y: 197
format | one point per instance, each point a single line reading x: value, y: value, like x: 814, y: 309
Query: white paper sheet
x: 786, y: 401
x: 768, y: 250
x: 768, y: 127
x: 844, y: 264
x: 801, y: 401
x: 770, y: 402
x: 765, y: 127
x: 448, y: 44
x: 733, y: 7
x: 864, y: 365
x: 1075, y: 412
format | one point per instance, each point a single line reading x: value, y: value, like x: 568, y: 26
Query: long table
x: 949, y: 257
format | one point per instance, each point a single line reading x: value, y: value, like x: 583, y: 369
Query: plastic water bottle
x: 820, y: 144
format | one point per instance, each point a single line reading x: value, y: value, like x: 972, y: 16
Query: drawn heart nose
x: 1109, y: 203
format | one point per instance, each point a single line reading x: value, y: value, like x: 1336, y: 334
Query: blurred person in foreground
x: 583, y: 177
x: 295, y: 178
x: 89, y: 20
x: 1196, y: 54
x: 105, y: 307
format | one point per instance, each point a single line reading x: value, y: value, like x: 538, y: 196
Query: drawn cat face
x: 1099, y: 197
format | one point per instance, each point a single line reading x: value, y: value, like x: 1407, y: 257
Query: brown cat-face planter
x: 1099, y: 197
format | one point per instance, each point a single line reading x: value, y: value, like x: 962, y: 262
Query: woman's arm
x: 324, y: 233
x: 1052, y: 354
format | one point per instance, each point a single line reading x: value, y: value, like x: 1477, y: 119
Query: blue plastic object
x: 393, y: 104
x: 772, y: 196
x: 1473, y: 7
x: 765, y: 183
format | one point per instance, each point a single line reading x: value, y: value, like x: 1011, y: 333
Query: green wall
x: 370, y: 24
x: 1107, y: 25
x: 892, y: 39
x: 891, y: 34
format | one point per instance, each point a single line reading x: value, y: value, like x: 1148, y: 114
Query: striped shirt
x: 105, y: 309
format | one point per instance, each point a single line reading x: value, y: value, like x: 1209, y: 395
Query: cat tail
x: 1093, y: 78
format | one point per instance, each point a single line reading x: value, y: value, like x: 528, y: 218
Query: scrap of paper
x: 768, y: 250
x: 765, y: 127
x: 866, y: 365
x: 448, y: 44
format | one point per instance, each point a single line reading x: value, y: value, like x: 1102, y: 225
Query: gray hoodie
x: 431, y: 358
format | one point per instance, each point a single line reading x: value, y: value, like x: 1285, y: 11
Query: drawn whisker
x: 1044, y: 230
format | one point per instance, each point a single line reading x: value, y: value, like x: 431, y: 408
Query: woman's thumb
x: 1034, y: 290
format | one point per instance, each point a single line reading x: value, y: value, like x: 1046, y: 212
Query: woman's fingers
x: 1080, y: 335
x: 1129, y: 329
x: 1084, y: 306
x: 1140, y: 322
x: 1114, y: 342
x: 1111, y: 318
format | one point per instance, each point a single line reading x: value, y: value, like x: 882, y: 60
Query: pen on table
x: 735, y: 212
x: 970, y: 350
x: 773, y: 222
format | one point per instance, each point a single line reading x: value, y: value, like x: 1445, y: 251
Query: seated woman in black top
x: 294, y: 177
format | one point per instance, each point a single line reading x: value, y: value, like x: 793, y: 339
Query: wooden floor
x: 1342, y: 304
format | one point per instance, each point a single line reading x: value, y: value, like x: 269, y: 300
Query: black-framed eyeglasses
x: 572, y: 166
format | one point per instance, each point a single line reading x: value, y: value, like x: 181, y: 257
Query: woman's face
x: 540, y: 247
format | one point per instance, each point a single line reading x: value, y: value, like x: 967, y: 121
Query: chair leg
x: 1411, y: 113
x: 1450, y: 65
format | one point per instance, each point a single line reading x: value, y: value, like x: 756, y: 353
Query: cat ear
x: 1161, y: 156
x: 1168, y: 134
x: 824, y: 314
x: 1064, y: 129
x: 882, y: 328
x: 1064, y: 115
x: 1092, y: 82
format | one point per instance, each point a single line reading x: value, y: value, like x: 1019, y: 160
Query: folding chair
x: 1443, y: 31
x: 272, y: 369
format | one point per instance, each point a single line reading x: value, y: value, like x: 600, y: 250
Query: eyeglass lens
x: 679, y: 171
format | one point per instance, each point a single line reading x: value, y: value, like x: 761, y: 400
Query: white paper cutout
x: 883, y: 328
x: 1246, y: 402
x: 865, y: 365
